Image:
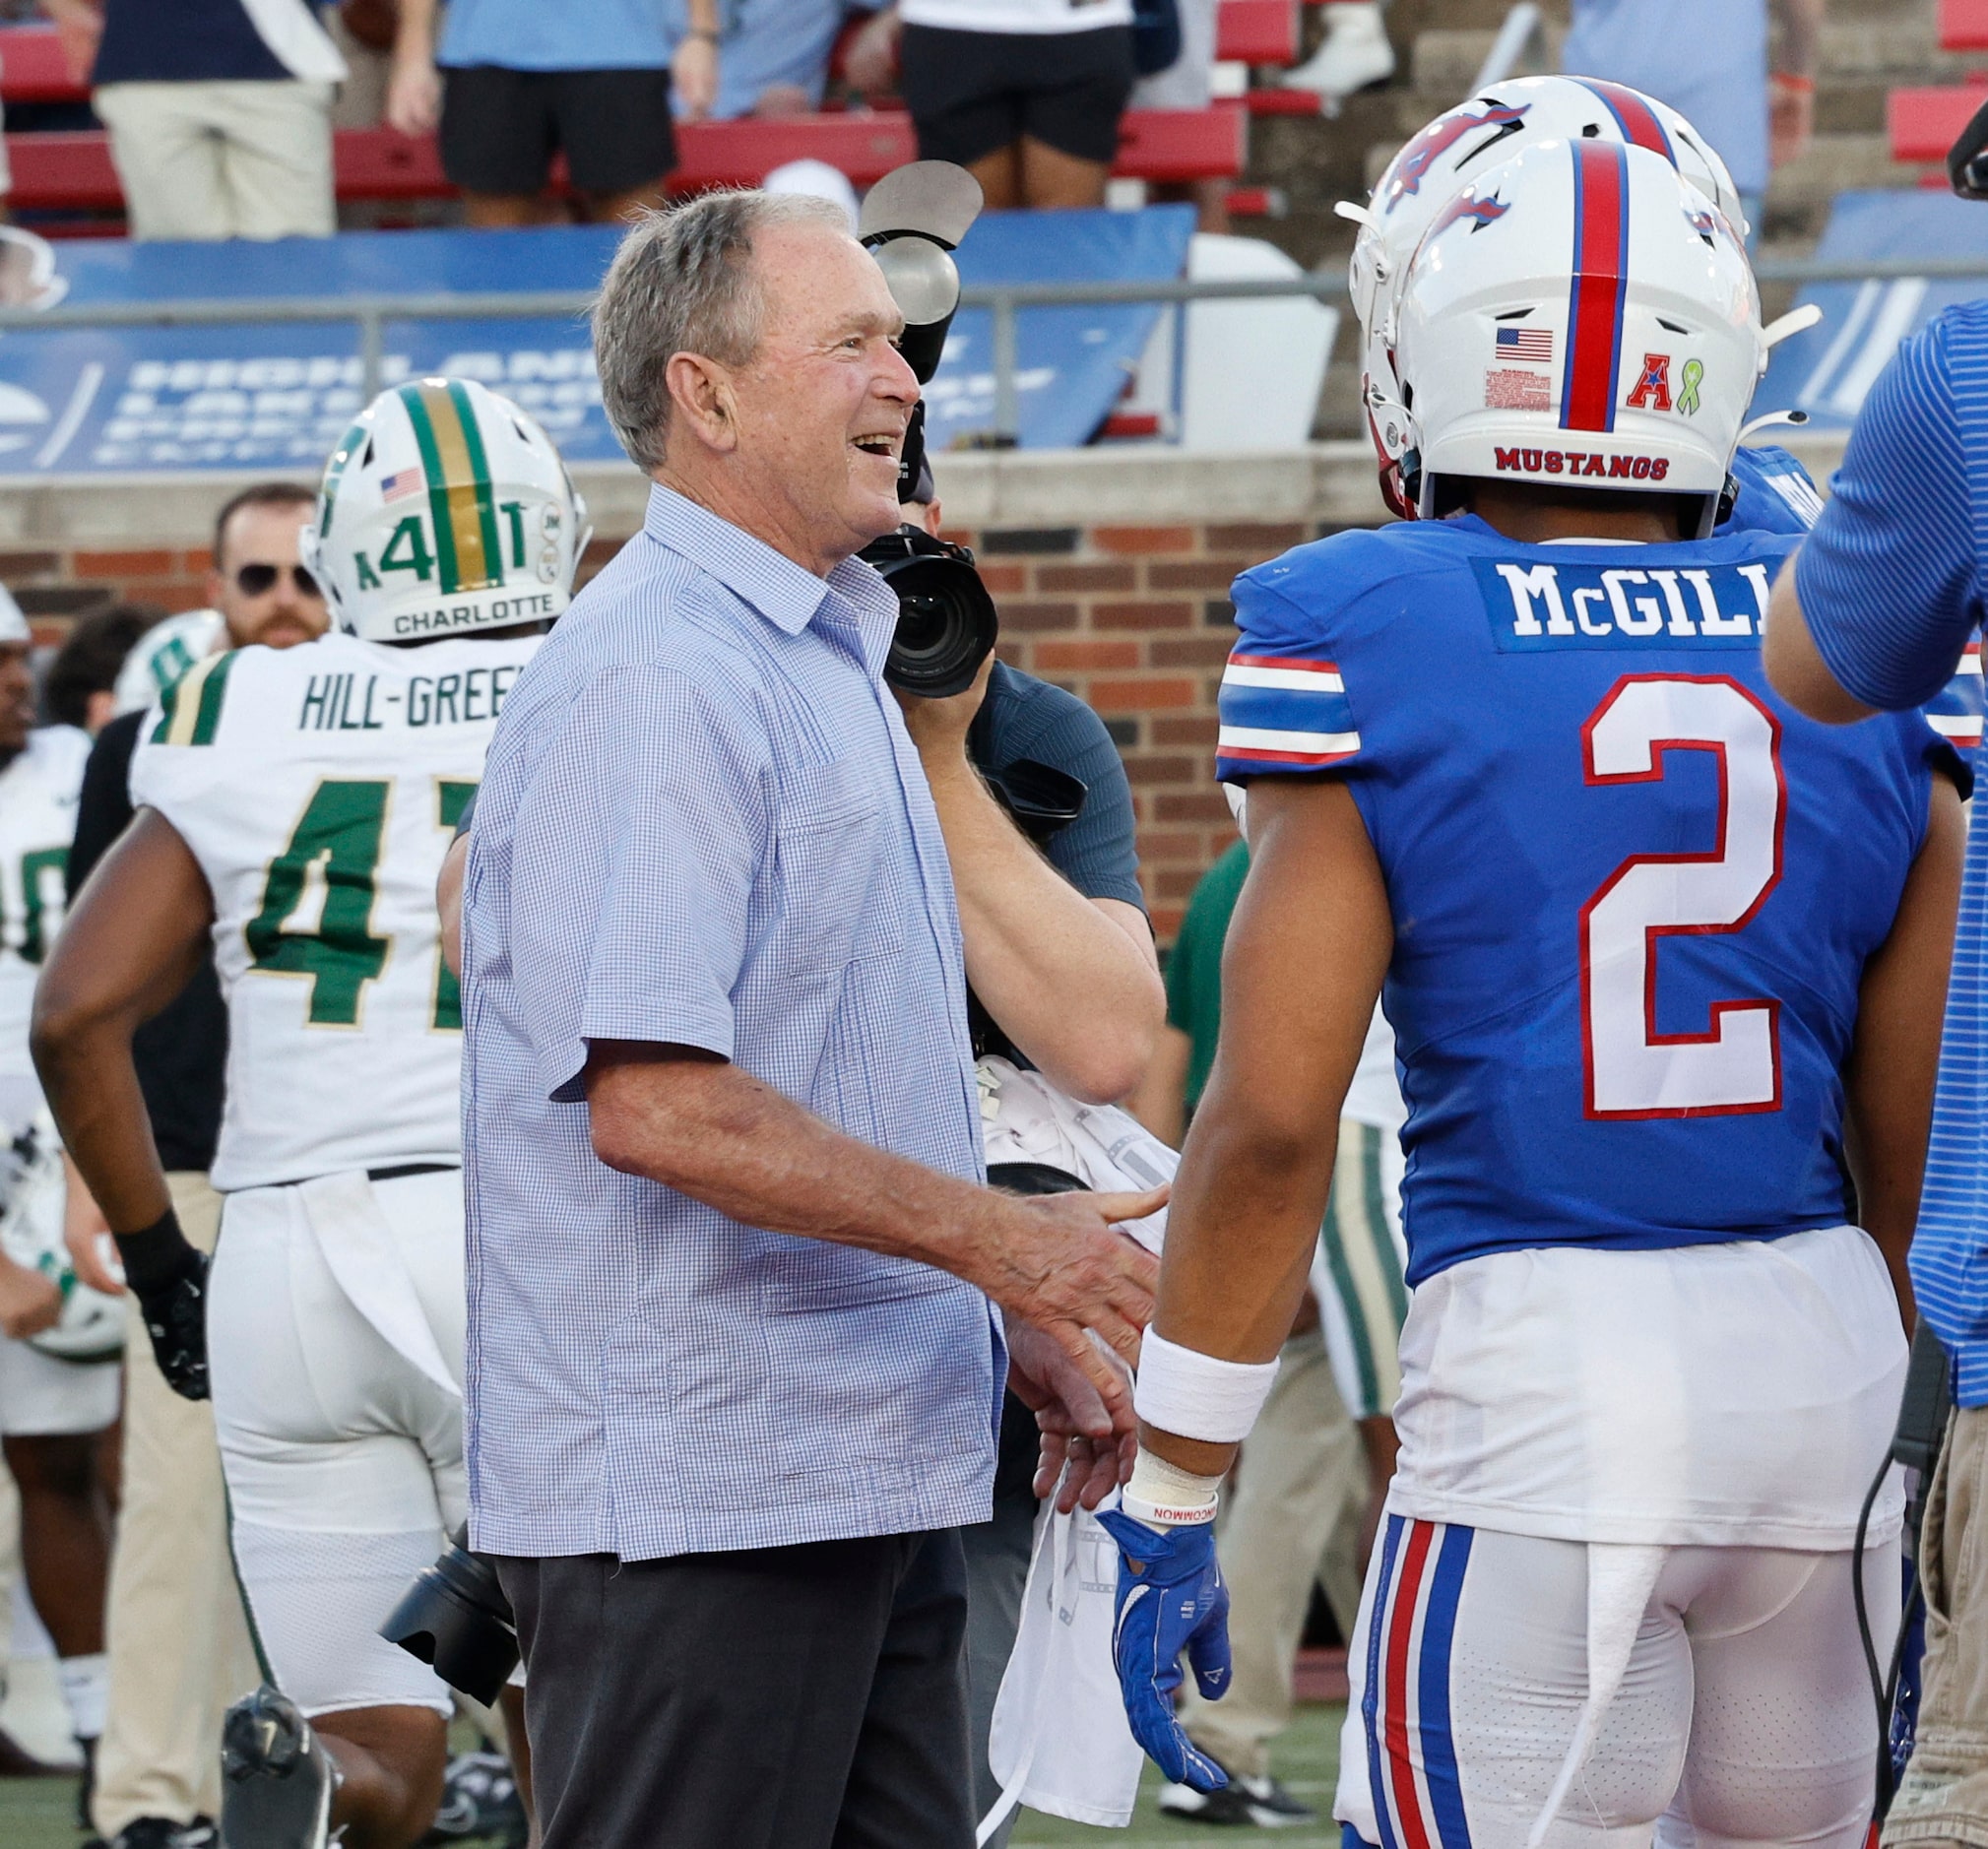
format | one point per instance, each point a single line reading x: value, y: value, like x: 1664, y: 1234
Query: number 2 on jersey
x: 1632, y: 1071
x: 333, y: 858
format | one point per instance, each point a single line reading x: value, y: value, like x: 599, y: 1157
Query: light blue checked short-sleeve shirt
x: 702, y: 823
x: 1893, y: 585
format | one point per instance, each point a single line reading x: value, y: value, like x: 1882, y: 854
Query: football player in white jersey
x: 50, y: 1408
x: 296, y: 805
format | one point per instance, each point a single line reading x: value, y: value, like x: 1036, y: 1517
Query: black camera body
x: 912, y: 222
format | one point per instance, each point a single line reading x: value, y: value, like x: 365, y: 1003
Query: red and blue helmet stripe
x: 1640, y: 124
x: 1594, y: 317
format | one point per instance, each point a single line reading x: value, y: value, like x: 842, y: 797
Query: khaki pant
x: 1293, y: 1519
x: 214, y: 160
x: 1944, y: 1797
x: 179, y: 1645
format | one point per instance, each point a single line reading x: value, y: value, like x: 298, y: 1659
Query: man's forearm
x: 414, y: 30
x: 736, y: 1144
x: 1800, y: 51
x: 92, y: 1091
x: 1070, y: 989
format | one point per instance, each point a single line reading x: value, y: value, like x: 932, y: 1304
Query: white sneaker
x: 1356, y: 52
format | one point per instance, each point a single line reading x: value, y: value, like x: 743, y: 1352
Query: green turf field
x: 41, y: 1813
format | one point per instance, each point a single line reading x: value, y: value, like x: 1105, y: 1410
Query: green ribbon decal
x: 1693, y: 377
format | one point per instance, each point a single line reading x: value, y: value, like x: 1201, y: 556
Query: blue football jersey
x: 1633, y: 891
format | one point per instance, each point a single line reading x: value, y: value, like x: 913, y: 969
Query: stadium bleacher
x: 1923, y: 120
x: 71, y: 170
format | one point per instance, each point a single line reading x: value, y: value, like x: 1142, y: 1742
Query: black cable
x: 1879, y: 1691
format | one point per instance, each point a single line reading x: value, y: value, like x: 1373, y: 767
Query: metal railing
x: 370, y: 314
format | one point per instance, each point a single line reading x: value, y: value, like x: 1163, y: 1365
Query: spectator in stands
x: 1355, y: 53
x: 82, y: 678
x: 218, y: 111
x: 587, y: 78
x: 774, y: 59
x: 1026, y: 93
x: 179, y: 1642
x: 1755, y: 119
x: 1875, y: 612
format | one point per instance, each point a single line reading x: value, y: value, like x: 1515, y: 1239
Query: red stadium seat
x: 1963, y: 25
x: 1923, y: 123
x: 63, y: 172
x: 33, y: 69
x: 73, y: 173
x: 1257, y: 31
x: 743, y: 154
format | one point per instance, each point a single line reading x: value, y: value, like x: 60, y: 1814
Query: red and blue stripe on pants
x: 1411, y: 1756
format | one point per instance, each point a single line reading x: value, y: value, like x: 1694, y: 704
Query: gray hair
x: 682, y: 282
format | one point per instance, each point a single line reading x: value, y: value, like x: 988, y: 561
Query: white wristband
x: 1198, y: 1396
x: 1164, y: 1495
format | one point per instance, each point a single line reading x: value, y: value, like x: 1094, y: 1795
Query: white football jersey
x: 319, y: 787
x: 38, y: 791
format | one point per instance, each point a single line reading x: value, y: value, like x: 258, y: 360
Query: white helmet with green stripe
x: 444, y: 510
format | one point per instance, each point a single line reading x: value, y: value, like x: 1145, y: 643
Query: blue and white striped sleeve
x: 1284, y: 710
x: 1889, y: 581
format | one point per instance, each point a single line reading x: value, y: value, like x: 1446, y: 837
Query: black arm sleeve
x: 181, y: 1052
x: 104, y: 809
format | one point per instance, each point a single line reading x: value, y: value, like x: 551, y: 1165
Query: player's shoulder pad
x: 1311, y: 592
x: 190, y: 710
x: 1777, y: 493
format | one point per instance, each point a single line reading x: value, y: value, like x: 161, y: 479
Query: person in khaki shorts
x: 179, y: 1642
x: 218, y: 111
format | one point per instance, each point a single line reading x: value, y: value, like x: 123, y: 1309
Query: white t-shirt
x: 319, y: 788
x: 1016, y: 16
x: 1374, y: 1096
x: 1740, y: 1394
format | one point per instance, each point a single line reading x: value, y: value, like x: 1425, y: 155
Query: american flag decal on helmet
x: 1283, y: 713
x: 1600, y: 278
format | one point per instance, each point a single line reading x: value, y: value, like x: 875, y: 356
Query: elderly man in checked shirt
x: 732, y: 1370
x: 1876, y: 611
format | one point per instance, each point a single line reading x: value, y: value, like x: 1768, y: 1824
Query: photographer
x: 1061, y: 968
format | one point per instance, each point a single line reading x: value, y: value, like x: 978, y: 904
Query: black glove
x: 168, y: 1277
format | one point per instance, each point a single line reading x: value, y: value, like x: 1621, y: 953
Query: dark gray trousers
x: 800, y: 1697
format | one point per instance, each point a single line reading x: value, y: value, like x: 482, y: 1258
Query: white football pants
x: 334, y: 1336
x: 1741, y: 1711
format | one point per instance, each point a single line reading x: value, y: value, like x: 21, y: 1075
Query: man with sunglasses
x: 180, y: 1646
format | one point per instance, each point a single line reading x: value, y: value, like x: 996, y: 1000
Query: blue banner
x: 277, y: 397
x: 1827, y: 370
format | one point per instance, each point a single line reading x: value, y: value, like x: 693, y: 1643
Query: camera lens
x: 946, y: 623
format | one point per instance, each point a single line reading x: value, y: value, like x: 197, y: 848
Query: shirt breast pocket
x: 826, y: 853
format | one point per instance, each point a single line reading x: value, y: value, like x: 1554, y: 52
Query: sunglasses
x: 260, y: 579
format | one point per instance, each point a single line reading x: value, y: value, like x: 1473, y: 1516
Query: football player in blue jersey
x: 1665, y: 963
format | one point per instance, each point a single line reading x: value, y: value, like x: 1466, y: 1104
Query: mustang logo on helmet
x: 1441, y: 135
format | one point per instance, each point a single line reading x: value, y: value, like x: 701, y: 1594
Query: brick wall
x: 1135, y: 619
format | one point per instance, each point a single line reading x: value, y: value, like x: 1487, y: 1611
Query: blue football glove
x: 1170, y: 1598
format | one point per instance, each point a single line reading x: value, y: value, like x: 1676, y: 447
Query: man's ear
x: 701, y: 397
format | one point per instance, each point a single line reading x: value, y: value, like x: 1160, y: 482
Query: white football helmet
x: 1578, y: 315
x: 1453, y: 151
x: 444, y: 510
x: 162, y: 654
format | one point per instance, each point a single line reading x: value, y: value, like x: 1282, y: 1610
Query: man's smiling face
x: 824, y: 403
